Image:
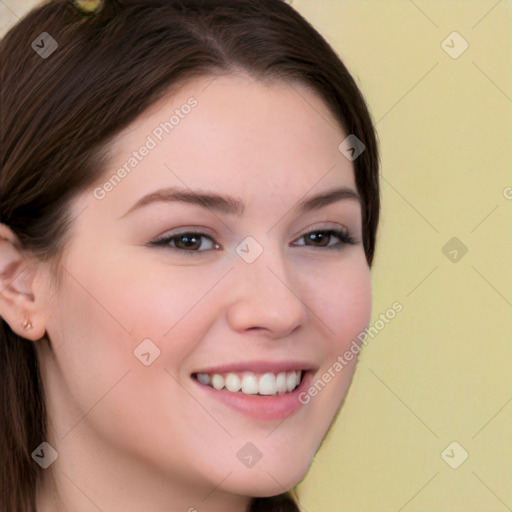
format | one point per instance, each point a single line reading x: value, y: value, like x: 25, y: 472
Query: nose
x: 264, y: 299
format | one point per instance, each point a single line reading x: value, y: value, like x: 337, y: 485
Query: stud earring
x: 27, y: 325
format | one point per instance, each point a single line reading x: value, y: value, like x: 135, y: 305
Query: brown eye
x: 187, y: 242
x: 324, y: 239
x: 318, y: 238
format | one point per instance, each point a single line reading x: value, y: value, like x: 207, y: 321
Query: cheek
x: 104, y: 313
x: 132, y: 299
x: 342, y: 301
x: 103, y: 385
x: 344, y: 312
x: 159, y: 296
x: 90, y: 356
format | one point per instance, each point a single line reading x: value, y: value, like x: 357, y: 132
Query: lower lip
x: 273, y: 407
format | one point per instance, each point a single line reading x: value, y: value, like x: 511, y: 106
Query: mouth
x: 262, y: 391
x: 252, y: 383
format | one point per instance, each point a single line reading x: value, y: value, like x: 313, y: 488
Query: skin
x: 132, y: 437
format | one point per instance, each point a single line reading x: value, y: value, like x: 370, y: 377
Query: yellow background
x: 441, y: 371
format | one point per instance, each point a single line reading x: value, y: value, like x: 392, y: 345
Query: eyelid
x: 196, y: 230
x: 324, y: 226
x: 343, y: 234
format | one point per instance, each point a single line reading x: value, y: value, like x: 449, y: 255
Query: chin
x: 262, y: 481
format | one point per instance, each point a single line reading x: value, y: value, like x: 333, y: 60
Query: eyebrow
x: 235, y: 206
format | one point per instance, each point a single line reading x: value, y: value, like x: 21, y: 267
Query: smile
x: 253, y: 383
x: 263, y: 390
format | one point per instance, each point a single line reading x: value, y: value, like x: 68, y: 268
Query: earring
x: 27, y: 325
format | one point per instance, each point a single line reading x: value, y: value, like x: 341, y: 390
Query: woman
x: 188, y: 211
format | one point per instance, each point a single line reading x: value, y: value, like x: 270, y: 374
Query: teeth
x: 218, y: 381
x: 281, y: 383
x: 292, y: 380
x: 268, y: 384
x: 250, y: 384
x: 203, y: 378
x: 233, y: 383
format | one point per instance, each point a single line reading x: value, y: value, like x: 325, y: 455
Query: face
x: 168, y: 297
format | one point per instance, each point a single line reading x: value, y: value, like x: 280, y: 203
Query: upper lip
x: 257, y: 367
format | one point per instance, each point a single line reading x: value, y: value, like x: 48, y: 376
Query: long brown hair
x: 58, y: 114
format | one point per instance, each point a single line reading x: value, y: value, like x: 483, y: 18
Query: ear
x: 19, y: 306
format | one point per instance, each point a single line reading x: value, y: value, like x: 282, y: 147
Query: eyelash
x: 343, y: 236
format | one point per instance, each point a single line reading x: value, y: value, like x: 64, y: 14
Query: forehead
x: 232, y: 134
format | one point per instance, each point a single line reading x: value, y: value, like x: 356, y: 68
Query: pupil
x: 319, y: 237
x: 189, y: 240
